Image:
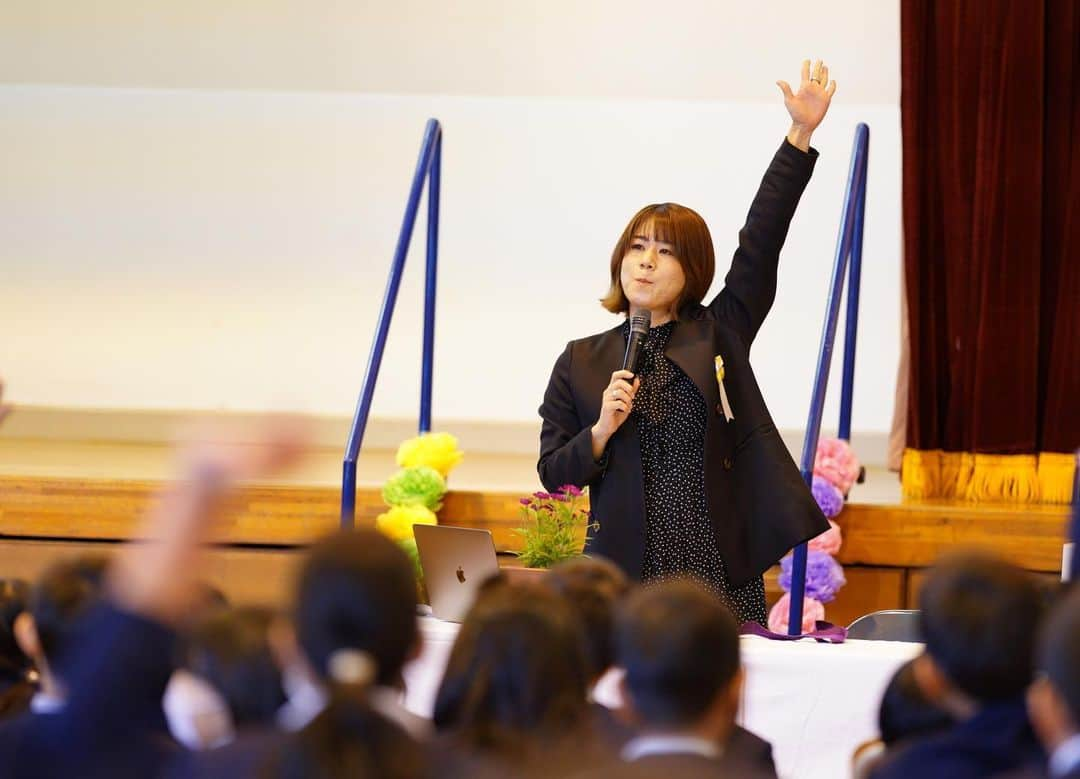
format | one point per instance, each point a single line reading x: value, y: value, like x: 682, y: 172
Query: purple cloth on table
x: 824, y: 632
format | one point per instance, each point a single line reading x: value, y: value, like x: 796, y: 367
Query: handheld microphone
x: 639, y: 329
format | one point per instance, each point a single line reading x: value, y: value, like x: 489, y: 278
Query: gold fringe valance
x: 988, y: 478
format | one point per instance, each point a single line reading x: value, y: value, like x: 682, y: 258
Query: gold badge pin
x: 718, y: 363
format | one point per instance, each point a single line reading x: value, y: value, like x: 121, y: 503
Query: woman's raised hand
x: 808, y: 106
x: 615, y: 408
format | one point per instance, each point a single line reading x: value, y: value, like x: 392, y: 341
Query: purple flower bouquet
x: 824, y: 576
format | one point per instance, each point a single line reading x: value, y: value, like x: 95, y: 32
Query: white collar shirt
x: 643, y: 746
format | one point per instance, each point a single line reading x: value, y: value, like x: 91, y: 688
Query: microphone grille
x: 639, y: 323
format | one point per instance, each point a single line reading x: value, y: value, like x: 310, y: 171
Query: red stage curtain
x: 990, y: 108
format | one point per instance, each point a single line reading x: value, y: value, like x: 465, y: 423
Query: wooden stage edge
x: 886, y: 547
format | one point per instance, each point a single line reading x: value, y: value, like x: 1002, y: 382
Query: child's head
x: 16, y: 686
x: 357, y: 591
x: 1054, y: 699
x: 58, y: 600
x: 663, y: 260
x: 516, y: 674
x: 592, y: 587
x: 355, y: 623
x: 905, y: 712
x: 680, y: 649
x: 978, y: 616
x: 230, y: 649
x: 14, y: 663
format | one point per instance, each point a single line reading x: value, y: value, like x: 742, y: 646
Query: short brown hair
x: 593, y: 587
x: 684, y: 229
x: 679, y: 647
x: 516, y: 676
x: 979, y: 616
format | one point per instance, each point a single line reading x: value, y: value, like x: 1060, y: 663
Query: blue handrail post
x: 851, y: 317
x: 348, y: 492
x: 850, y: 224
x: 430, y: 152
x: 427, y: 363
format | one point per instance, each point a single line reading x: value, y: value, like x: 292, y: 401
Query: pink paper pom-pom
x: 836, y: 462
x: 812, y: 612
x: 828, y: 542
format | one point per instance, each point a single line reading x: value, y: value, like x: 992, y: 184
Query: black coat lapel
x: 610, y: 351
x: 691, y: 348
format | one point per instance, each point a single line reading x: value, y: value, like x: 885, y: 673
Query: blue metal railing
x: 849, y: 245
x: 428, y: 166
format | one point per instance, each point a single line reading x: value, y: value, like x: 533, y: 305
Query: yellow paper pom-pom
x: 397, y: 523
x: 435, y: 450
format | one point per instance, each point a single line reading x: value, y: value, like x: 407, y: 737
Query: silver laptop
x: 455, y: 561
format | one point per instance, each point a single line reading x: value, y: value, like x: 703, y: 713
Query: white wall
x: 211, y: 226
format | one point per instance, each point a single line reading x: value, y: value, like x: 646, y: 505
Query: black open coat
x: 759, y: 505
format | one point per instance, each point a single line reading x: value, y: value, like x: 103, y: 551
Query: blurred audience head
x: 355, y: 624
x: 1054, y: 698
x: 593, y: 588
x: 208, y: 598
x: 63, y: 594
x: 230, y: 649
x: 357, y: 591
x: 679, y: 647
x: 348, y: 740
x: 905, y: 712
x: 16, y: 668
x: 195, y: 709
x: 517, y: 675
x: 979, y: 616
x: 14, y: 663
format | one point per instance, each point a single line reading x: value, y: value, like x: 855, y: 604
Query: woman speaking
x: 686, y: 471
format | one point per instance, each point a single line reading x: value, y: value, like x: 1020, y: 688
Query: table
x: 814, y: 702
x: 817, y: 702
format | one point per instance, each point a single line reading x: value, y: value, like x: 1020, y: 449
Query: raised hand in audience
x: 158, y: 579
x: 112, y: 724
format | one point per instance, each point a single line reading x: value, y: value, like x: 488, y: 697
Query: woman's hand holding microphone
x: 615, y: 408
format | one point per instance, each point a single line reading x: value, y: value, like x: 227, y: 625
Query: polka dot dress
x: 671, y: 417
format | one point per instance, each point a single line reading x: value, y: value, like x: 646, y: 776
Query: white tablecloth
x: 814, y: 702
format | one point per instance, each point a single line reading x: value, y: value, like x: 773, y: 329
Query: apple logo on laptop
x: 461, y: 574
